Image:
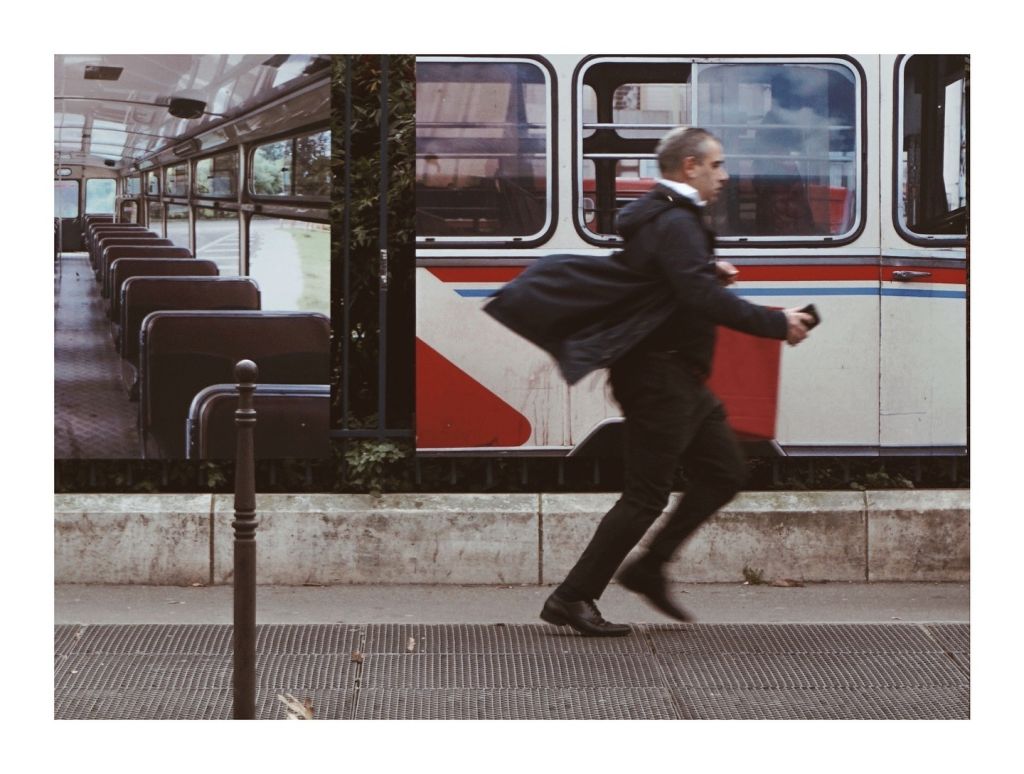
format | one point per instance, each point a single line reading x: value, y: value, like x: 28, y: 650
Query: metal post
x: 244, y: 676
x: 382, y: 344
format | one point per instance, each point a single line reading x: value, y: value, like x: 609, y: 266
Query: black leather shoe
x: 582, y: 616
x: 652, y: 585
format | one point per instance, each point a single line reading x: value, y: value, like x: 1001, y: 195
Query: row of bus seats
x: 180, y: 328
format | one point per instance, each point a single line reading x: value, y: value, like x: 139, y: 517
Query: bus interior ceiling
x: 204, y: 168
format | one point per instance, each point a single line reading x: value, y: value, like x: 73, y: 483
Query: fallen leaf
x: 295, y: 709
x: 786, y: 583
x: 357, y: 657
x: 411, y: 646
x: 197, y: 585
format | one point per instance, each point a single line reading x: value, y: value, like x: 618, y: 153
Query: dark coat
x: 588, y: 311
x: 679, y: 250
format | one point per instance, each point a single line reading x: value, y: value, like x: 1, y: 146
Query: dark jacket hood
x: 637, y: 213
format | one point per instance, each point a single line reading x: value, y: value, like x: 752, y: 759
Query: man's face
x: 707, y: 175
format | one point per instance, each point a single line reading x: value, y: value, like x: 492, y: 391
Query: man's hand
x: 798, y: 324
x: 726, y: 272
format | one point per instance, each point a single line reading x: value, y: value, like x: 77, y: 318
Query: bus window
x: 483, y: 145
x: 176, y: 180
x: 217, y: 238
x: 177, y: 224
x: 132, y: 186
x: 217, y: 175
x: 99, y: 196
x: 933, y: 146
x: 297, y: 167
x: 129, y: 211
x: 788, y: 128
x: 153, y: 183
x: 65, y: 198
x: 291, y: 261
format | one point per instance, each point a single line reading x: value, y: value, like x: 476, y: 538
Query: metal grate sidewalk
x: 466, y: 671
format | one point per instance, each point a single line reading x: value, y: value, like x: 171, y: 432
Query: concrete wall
x: 502, y: 539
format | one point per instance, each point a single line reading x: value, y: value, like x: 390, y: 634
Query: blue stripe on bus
x: 905, y: 292
x: 924, y: 293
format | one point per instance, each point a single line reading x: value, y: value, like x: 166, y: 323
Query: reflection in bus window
x: 65, y: 198
x: 299, y: 167
x: 313, y: 165
x: 482, y: 148
x: 788, y: 133
x: 291, y: 261
x: 218, y: 175
x: 933, y: 146
x: 153, y: 183
x: 217, y: 238
x: 99, y: 196
x: 176, y: 180
x: 177, y: 224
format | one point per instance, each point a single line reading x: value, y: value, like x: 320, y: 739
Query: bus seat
x: 292, y: 422
x: 106, y: 240
x: 181, y: 352
x: 123, y: 268
x: 114, y: 252
x: 92, y: 219
x: 91, y: 232
x: 97, y: 232
x: 142, y: 295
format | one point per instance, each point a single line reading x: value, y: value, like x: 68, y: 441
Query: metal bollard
x: 244, y: 676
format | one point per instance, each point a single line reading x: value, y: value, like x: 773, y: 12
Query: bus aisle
x: 93, y: 418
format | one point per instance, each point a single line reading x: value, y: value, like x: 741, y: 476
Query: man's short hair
x: 681, y: 143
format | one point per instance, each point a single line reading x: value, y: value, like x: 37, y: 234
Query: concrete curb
x: 502, y: 539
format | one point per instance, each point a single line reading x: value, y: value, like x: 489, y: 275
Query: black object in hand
x: 813, y: 312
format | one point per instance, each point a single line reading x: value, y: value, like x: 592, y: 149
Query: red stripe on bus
x: 748, y: 272
x: 476, y: 273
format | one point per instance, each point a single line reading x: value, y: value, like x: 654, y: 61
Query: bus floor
x: 93, y: 418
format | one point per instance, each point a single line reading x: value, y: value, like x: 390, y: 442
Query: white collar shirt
x: 683, y: 189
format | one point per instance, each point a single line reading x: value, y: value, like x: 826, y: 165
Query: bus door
x: 924, y: 269
x: 67, y: 212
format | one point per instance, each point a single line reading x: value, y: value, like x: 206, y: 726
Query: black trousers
x: 670, y: 417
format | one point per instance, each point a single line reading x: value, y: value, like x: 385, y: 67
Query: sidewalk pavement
x: 408, y: 652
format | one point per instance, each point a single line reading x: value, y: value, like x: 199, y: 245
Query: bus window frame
x: 551, y: 163
x: 250, y: 179
x: 917, y: 238
x: 756, y: 242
